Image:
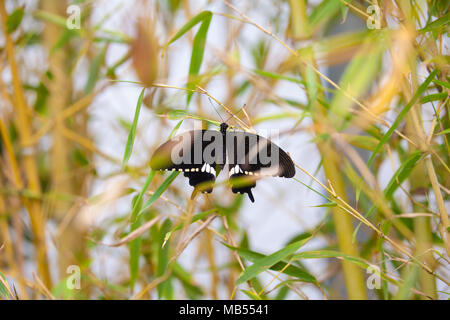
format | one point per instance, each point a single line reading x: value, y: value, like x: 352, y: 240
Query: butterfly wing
x: 251, y: 156
x: 186, y: 153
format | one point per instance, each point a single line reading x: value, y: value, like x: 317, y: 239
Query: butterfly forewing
x: 196, y: 153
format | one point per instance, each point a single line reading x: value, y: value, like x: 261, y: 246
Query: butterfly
x: 202, y: 154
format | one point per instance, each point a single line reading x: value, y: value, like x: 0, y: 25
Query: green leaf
x: 251, y: 295
x: 94, y: 71
x: 434, y: 97
x: 159, y: 191
x: 311, y: 84
x: 3, y: 290
x: 401, y: 174
x: 51, y: 17
x: 135, y: 252
x: 325, y: 205
x: 14, y: 20
x: 363, y: 142
x: 198, y: 49
x: 277, y: 76
x: 163, y: 260
x: 175, y: 129
x: 446, y: 131
x: 442, y: 83
x: 294, y: 271
x: 359, y: 74
x: 321, y: 254
x: 314, y: 190
x: 404, y: 292
x: 266, y: 262
x: 442, y: 22
x: 136, y: 221
x: 192, y: 290
x: 195, y: 218
x: 138, y: 202
x: 189, y: 25
x: 422, y: 88
x: 323, y: 12
x: 132, y: 133
x: 318, y: 254
x: 177, y: 114
x: 282, y: 293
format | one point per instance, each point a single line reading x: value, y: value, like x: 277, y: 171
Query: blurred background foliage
x: 365, y: 81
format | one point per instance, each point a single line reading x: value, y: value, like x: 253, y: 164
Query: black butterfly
x: 202, y: 154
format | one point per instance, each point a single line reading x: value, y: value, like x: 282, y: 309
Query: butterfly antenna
x: 215, y: 109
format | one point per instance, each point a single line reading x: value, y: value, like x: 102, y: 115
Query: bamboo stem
x: 354, y: 279
x: 59, y: 97
x: 29, y: 161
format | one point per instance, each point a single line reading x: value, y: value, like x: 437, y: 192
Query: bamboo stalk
x: 59, y: 98
x: 354, y: 279
x: 422, y: 225
x: 29, y: 161
x: 418, y: 187
x: 14, y: 264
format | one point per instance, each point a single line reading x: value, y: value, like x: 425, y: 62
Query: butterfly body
x: 202, y: 154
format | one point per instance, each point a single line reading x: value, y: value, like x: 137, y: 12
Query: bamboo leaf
x: 51, y: 17
x: 363, y: 142
x: 163, y: 260
x: 198, y: 46
x: 94, y: 70
x: 251, y: 295
x: 321, y: 254
x: 14, y: 19
x: 192, y: 290
x: 198, y: 49
x: 401, y: 115
x: 401, y: 174
x: 359, y: 74
x: 446, y: 131
x: 442, y: 83
x: 294, y: 271
x: 277, y: 76
x: 137, y: 207
x: 135, y: 246
x: 323, y: 12
x: 404, y: 292
x: 434, y: 97
x: 266, y: 262
x: 438, y: 23
x: 189, y: 25
x: 132, y: 133
x: 175, y: 129
x: 163, y: 187
x: 318, y: 254
x: 3, y: 290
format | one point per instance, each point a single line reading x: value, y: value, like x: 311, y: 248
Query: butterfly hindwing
x: 241, y: 182
x: 251, y: 156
